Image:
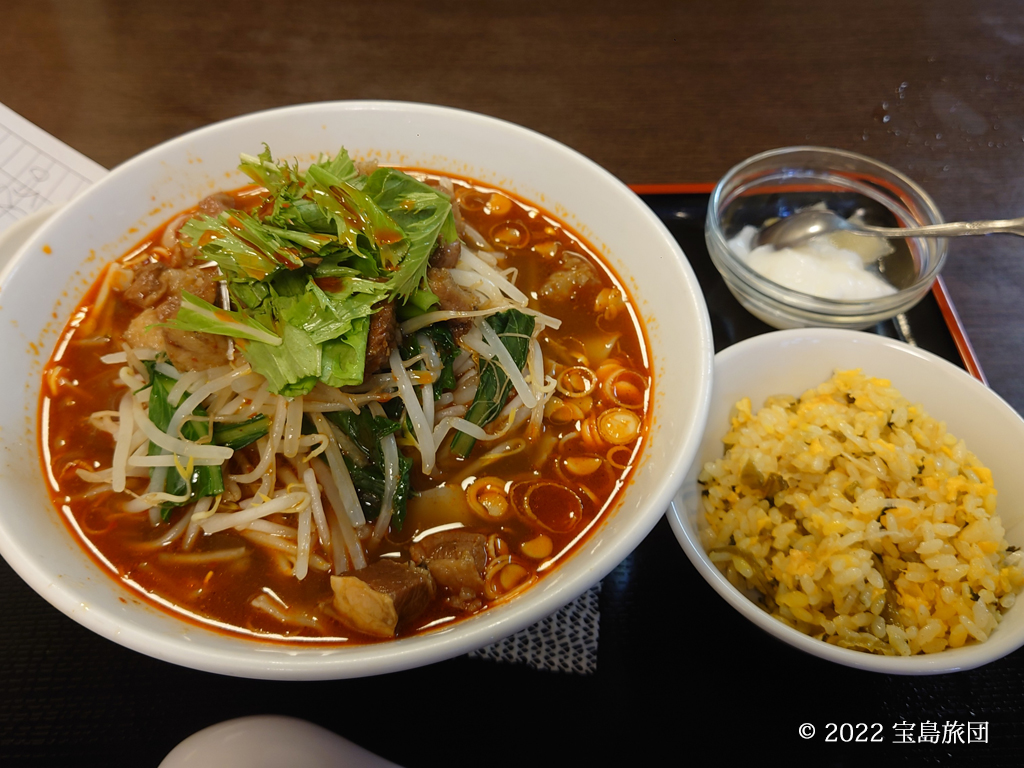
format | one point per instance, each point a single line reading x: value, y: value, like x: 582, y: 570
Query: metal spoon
x: 803, y: 225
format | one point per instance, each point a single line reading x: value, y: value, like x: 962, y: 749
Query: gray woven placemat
x: 565, y: 641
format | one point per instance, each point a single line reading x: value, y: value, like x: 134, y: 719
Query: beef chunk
x: 452, y: 296
x: 216, y: 203
x: 155, y: 284
x: 446, y: 256
x: 143, y: 331
x: 382, y: 339
x: 199, y: 282
x: 187, y: 350
x: 409, y: 587
x: 363, y: 608
x: 146, y: 287
x: 456, y: 560
x: 194, y: 351
x: 378, y: 598
x: 576, y: 275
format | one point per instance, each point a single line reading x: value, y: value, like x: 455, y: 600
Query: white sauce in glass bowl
x: 820, y: 267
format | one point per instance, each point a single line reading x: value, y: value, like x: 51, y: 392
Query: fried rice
x: 855, y: 517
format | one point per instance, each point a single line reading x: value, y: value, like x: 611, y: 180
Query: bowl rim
x: 951, y: 660
x: 251, y: 658
x: 809, y: 305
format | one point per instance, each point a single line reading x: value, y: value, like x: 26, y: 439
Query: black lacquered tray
x: 679, y: 672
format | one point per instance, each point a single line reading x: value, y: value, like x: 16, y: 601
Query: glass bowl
x: 778, y: 183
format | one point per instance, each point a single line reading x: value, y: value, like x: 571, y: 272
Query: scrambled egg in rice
x: 855, y: 517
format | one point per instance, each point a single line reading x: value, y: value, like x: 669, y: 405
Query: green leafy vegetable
x: 514, y: 328
x: 204, y: 480
x: 291, y: 369
x: 241, y: 434
x: 194, y: 314
x: 241, y: 245
x: 422, y: 213
x: 369, y: 484
x: 322, y: 255
x: 368, y: 477
x: 447, y: 350
x: 325, y: 316
x: 342, y: 359
x: 364, y: 215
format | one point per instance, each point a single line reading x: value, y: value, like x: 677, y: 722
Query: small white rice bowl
x: 790, y: 363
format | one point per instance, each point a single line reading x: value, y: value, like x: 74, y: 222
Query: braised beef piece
x: 194, y: 351
x: 157, y: 289
x: 143, y: 332
x: 383, y: 337
x: 376, y: 599
x: 568, y: 283
x: 410, y: 588
x: 446, y: 256
x: 363, y: 608
x: 186, y: 350
x: 216, y: 203
x: 154, y: 282
x: 456, y: 560
x: 199, y: 282
x: 452, y: 296
x: 146, y: 288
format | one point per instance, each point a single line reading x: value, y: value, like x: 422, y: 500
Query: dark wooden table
x: 658, y: 92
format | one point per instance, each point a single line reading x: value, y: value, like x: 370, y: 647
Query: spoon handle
x: 952, y: 229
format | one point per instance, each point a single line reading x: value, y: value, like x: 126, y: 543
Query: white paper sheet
x: 36, y: 170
